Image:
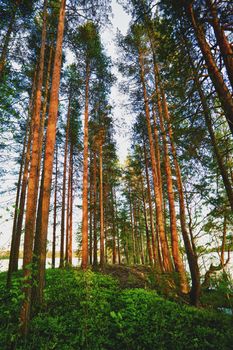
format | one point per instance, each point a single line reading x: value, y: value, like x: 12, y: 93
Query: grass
x: 92, y: 310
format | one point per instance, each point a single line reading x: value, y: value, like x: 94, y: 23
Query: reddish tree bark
x: 159, y: 205
x: 215, y: 75
x: 49, y: 151
x: 64, y: 188
x: 33, y: 186
x: 224, y: 45
x: 55, y: 212
x: 85, y: 176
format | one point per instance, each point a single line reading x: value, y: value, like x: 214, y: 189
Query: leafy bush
x: 89, y: 311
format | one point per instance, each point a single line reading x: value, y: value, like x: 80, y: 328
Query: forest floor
x: 121, y: 308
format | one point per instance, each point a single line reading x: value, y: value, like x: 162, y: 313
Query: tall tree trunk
x: 215, y: 75
x: 49, y: 152
x: 153, y: 237
x: 159, y: 205
x: 70, y: 240
x: 117, y: 230
x: 101, y: 207
x: 7, y: 41
x: 41, y: 137
x: 132, y: 227
x: 140, y: 234
x: 179, y: 267
x: 192, y: 258
x: 55, y: 212
x: 68, y: 211
x: 95, y: 260
x: 16, y: 245
x: 91, y: 212
x: 222, y: 259
x: 114, y: 252
x: 149, y: 249
x: 17, y: 200
x: 208, y: 121
x: 33, y: 187
x: 136, y: 234
x: 63, y: 208
x: 85, y: 176
x: 157, y: 147
x: 224, y: 45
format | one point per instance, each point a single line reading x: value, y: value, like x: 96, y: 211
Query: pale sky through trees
x: 122, y: 120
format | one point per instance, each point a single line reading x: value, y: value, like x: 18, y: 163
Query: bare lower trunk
x: 55, y: 212
x: 91, y: 213
x: 85, y: 177
x: 19, y: 227
x: 33, y: 187
x: 70, y: 236
x: 49, y: 152
x: 159, y: 203
x: 152, y: 228
x: 192, y: 258
x: 95, y: 262
x: 101, y: 207
x: 68, y: 212
x: 114, y: 252
x: 12, y: 266
x: 179, y: 267
x: 64, y: 189
x: 132, y: 227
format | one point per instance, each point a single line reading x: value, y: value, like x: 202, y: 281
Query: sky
x: 121, y: 116
x: 122, y: 120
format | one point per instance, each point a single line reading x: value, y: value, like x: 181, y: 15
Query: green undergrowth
x: 92, y: 311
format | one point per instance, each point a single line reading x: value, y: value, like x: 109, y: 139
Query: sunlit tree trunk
x: 42, y: 124
x: 207, y: 116
x: 41, y: 137
x: 85, y: 176
x: 33, y: 186
x: 192, y: 258
x: 215, y: 75
x: 224, y: 45
x: 159, y: 204
x: 179, y: 267
x: 153, y: 237
x: 49, y: 151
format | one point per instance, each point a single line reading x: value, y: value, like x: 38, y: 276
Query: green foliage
x: 89, y: 311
